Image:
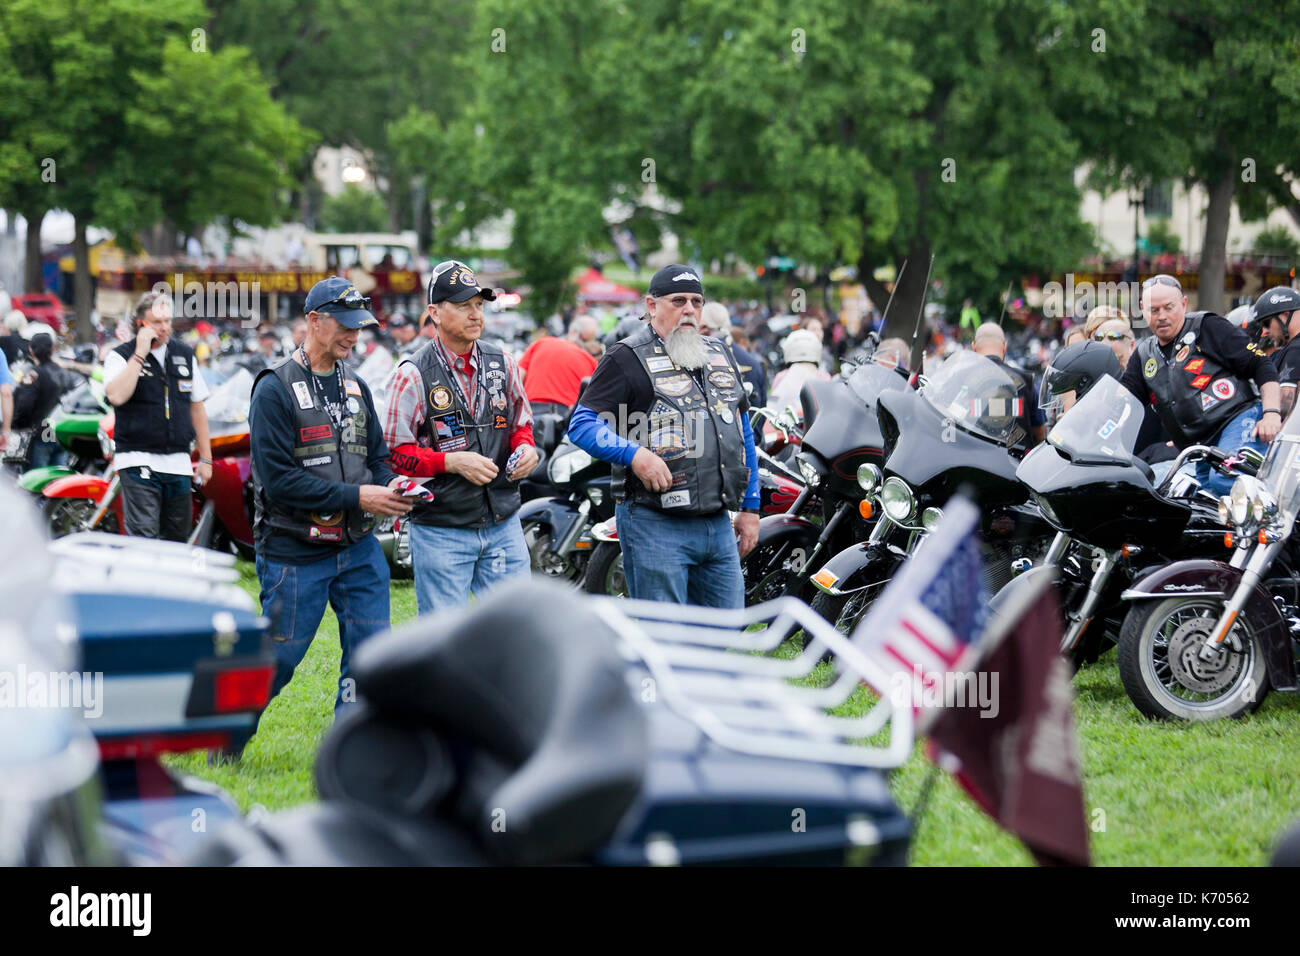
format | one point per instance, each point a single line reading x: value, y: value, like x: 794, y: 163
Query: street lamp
x: 352, y: 172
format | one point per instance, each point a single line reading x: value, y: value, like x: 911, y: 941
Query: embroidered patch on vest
x: 1200, y: 382
x: 314, y: 433
x: 1223, y: 389
x: 1195, y: 366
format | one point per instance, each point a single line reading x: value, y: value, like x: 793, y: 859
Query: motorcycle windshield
x: 227, y: 405
x: 870, y: 380
x: 978, y: 396
x: 1102, y: 427
x: 1281, y: 468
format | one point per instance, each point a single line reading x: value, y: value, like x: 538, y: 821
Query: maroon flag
x: 1020, y: 762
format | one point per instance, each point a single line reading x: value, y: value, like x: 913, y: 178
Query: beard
x: 685, y: 346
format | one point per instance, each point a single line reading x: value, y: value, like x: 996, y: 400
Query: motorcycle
x: 557, y: 529
x: 1116, y: 523
x: 75, y: 424
x: 564, y: 758
x: 1205, y: 639
x: 956, y: 433
x: 842, y: 434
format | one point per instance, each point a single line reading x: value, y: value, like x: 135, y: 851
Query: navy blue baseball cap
x: 339, y: 298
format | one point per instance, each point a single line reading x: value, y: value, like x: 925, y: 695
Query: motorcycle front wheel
x: 537, y: 537
x: 605, y: 571
x: 65, y: 516
x: 1162, y: 672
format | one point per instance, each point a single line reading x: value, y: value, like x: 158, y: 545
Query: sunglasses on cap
x: 1163, y: 279
x: 352, y: 299
x: 446, y: 266
x: 1110, y: 336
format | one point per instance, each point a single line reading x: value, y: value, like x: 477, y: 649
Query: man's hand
x: 527, y: 462
x: 144, y: 340
x: 202, y: 472
x: 746, y: 526
x: 1270, y: 423
x: 4, y: 440
x: 652, y: 470
x: 379, y: 500
x: 471, y: 466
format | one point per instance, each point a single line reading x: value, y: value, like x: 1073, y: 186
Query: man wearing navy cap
x: 320, y: 476
x: 457, y: 413
x: 667, y: 407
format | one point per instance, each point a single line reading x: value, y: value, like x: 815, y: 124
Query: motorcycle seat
x: 528, y: 692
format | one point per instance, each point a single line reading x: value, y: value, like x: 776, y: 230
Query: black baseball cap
x: 397, y: 321
x: 675, y: 279
x: 339, y: 298
x: 453, y: 281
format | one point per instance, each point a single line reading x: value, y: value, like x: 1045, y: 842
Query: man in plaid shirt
x: 457, y: 414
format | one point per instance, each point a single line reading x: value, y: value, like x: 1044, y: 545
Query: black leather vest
x: 1195, y: 394
x: 450, y: 427
x: 156, y: 418
x: 693, y: 424
x: 320, y: 448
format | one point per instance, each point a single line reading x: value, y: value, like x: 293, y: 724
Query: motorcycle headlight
x: 930, y: 518
x: 897, y: 500
x: 809, y: 472
x: 1263, y: 506
x: 563, y: 467
x: 868, y: 478
x: 1239, y: 502
x: 1225, y: 510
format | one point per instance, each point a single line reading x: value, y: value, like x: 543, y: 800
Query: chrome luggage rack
x: 710, y: 668
x: 96, y: 561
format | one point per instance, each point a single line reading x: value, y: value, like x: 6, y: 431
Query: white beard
x: 686, y: 348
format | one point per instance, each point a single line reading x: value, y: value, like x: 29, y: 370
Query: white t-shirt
x: 177, y: 463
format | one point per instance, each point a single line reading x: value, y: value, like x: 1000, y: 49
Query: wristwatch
x: 1275, y: 411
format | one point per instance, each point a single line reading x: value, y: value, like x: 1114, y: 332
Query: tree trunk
x: 1215, y: 245
x: 11, y: 227
x: 908, y: 298
x: 81, y: 289
x: 33, y: 280
x: 398, y: 194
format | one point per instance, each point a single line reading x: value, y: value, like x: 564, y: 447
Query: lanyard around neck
x: 318, y: 392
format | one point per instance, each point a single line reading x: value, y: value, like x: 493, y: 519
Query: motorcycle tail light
x: 865, y: 509
x: 245, y: 688
x: 150, y: 745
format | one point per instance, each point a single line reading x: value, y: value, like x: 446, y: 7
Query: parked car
x: 41, y: 307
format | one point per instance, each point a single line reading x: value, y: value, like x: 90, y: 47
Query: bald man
x: 992, y: 344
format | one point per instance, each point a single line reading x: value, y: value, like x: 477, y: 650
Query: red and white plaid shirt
x: 407, y: 411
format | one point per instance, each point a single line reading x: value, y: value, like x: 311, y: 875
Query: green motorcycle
x: 75, y: 425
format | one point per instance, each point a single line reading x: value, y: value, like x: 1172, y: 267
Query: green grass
x: 1156, y: 794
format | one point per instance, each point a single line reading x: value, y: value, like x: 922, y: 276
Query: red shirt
x: 556, y: 368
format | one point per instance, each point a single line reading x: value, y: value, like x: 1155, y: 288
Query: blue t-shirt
x: 5, y: 377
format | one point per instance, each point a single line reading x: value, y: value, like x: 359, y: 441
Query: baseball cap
x: 397, y: 321
x: 338, y: 297
x: 453, y: 281
x: 671, y: 280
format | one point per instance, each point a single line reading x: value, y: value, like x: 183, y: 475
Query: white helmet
x: 802, y: 345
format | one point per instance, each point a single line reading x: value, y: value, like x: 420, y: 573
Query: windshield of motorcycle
x: 977, y: 395
x: 1281, y: 468
x: 868, y: 381
x: 227, y: 406
x: 1102, y: 427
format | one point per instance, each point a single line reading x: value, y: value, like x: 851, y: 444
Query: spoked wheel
x: 1160, y: 665
x: 65, y: 516
x: 537, y: 537
x: 605, y: 571
x: 768, y: 569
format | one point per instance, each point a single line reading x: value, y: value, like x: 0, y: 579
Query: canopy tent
x: 594, y: 287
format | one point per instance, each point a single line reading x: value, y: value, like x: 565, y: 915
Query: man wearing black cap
x: 403, y: 332
x: 457, y: 414
x: 667, y: 407
x: 1281, y: 304
x: 320, y: 474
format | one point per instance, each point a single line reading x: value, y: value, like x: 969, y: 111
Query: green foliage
x: 353, y: 210
x: 1161, y: 238
x: 1276, y: 241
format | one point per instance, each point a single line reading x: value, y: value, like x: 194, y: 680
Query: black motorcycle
x: 1206, y: 639
x: 842, y: 434
x: 1115, y: 521
x: 557, y: 528
x: 958, y: 432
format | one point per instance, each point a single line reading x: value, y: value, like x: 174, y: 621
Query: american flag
x: 929, y: 621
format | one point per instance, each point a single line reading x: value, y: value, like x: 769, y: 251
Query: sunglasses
x: 679, y: 301
x: 1110, y: 336
x: 1163, y: 280
x: 349, y: 300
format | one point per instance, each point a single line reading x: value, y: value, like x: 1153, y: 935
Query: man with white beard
x: 667, y: 408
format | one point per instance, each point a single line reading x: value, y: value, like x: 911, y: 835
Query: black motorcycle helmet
x: 1275, y: 301
x: 1076, y: 368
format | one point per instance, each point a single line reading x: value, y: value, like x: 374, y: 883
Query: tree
x: 353, y: 210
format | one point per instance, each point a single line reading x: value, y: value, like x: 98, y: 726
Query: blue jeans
x: 1238, y: 433
x: 44, y: 453
x: 684, y: 559
x: 449, y: 563
x: 353, y: 581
